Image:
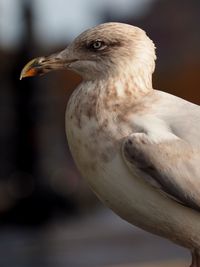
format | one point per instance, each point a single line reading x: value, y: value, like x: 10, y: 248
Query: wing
x: 171, y: 166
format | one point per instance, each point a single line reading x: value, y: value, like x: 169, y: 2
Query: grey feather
x: 170, y: 166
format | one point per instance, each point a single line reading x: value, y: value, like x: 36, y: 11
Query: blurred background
x: 48, y: 215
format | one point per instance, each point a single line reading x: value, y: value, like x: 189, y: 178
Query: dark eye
x: 97, y: 45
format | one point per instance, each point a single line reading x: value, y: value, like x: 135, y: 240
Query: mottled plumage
x: 138, y: 148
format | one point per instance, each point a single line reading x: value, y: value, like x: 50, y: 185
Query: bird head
x: 107, y: 49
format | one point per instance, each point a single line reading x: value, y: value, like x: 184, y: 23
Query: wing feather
x: 171, y: 166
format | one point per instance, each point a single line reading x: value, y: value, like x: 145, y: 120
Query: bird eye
x: 97, y: 45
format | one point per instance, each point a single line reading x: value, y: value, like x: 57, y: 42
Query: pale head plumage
x: 122, y: 48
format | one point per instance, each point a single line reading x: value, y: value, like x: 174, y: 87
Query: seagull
x: 137, y: 147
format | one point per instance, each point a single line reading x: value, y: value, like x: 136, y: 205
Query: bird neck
x: 128, y: 85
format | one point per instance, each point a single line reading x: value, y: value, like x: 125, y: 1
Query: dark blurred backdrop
x: 39, y: 183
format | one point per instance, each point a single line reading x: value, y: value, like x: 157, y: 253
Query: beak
x: 42, y: 65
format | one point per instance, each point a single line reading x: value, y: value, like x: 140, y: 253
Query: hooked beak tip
x: 29, y: 69
x: 29, y: 73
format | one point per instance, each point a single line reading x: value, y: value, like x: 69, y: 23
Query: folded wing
x: 171, y: 166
